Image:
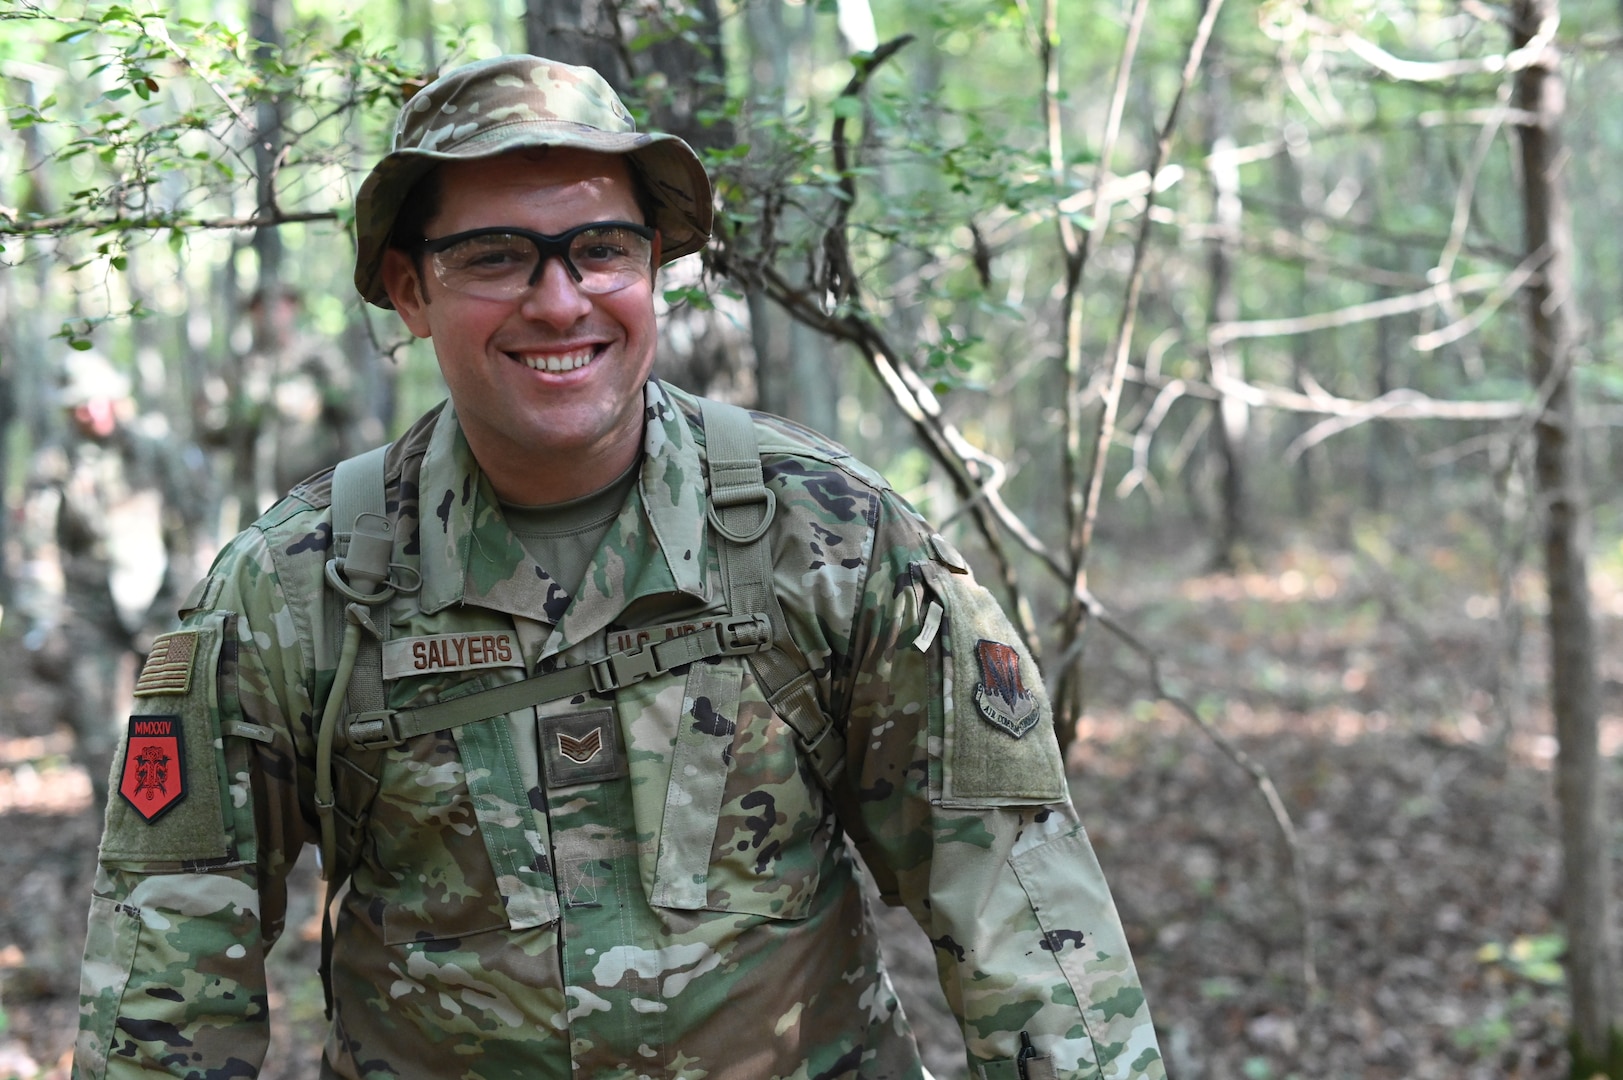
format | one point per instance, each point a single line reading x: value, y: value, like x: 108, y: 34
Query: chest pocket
x: 742, y: 826
x: 456, y: 850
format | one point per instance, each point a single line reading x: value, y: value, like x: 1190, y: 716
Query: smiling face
x: 547, y: 386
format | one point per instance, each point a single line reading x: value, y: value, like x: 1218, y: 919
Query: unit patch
x: 581, y: 748
x: 153, y: 776
x: 1000, y: 694
x: 450, y: 652
x: 168, y: 667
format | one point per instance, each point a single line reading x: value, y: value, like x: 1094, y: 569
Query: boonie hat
x: 516, y: 103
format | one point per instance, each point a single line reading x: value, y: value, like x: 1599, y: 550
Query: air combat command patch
x: 999, y: 693
x: 153, y: 775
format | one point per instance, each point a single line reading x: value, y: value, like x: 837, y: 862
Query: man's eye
x: 609, y: 246
x: 601, y: 251
x: 494, y: 258
x: 486, y: 255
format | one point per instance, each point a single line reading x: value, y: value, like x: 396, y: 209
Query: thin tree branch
x: 156, y: 28
x: 1357, y: 313
x: 1472, y: 322
x: 1135, y: 286
x: 1394, y: 67
x: 1401, y: 404
x: 1145, y: 435
x: 12, y: 226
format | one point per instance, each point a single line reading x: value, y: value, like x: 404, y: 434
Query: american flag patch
x: 168, y: 669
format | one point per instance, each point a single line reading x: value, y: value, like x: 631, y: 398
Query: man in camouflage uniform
x: 642, y: 875
x: 111, y: 517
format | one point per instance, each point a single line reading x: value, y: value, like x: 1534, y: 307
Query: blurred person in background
x: 111, y: 525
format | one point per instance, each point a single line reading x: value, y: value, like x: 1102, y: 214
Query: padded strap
x: 363, y: 541
x: 741, y: 510
x: 358, y: 572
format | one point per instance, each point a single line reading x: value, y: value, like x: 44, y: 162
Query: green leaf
x: 690, y: 296
x: 848, y: 108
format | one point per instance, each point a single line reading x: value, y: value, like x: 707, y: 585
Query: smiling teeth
x: 566, y: 362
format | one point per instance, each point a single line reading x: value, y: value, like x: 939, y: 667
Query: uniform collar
x: 469, y: 556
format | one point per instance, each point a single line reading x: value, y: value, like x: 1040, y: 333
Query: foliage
x: 1536, y: 958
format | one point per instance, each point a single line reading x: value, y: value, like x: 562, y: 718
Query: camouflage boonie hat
x: 515, y: 103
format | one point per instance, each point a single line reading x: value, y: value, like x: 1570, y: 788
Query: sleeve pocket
x: 115, y: 929
x: 1080, y: 927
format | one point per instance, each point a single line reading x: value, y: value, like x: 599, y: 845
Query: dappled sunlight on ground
x: 1396, y: 701
x: 36, y: 776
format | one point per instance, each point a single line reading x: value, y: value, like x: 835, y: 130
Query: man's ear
x: 405, y: 288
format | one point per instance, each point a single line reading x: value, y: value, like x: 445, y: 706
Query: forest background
x: 1250, y: 350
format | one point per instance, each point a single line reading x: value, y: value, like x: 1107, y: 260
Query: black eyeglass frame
x: 548, y: 246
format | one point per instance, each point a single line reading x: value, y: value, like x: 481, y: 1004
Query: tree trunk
x: 1586, y: 861
x: 576, y: 32
x: 1380, y: 435
x: 1233, y: 416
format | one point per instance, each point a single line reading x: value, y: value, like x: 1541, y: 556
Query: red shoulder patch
x: 153, y: 775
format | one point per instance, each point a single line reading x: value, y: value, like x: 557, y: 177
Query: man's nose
x: 555, y: 298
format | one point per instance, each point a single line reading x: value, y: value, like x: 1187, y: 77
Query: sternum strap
x: 735, y: 636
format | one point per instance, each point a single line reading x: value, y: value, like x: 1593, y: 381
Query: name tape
x: 404, y: 657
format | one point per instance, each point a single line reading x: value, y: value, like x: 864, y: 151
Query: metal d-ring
x: 754, y: 534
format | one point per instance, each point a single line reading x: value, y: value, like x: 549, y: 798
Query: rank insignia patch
x: 1000, y: 695
x: 153, y: 776
x: 168, y: 669
x: 581, y: 748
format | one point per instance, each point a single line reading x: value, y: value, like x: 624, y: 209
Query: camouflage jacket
x: 645, y: 884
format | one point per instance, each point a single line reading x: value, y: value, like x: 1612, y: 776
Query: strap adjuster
x: 624, y: 668
x: 744, y: 634
x: 373, y: 730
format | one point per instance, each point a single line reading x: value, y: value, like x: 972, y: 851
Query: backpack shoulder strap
x: 741, y: 511
x: 363, y: 542
x: 357, y: 580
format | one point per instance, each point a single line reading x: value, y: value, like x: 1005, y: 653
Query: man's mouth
x: 555, y: 363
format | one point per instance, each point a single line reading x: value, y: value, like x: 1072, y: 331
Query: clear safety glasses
x: 503, y: 263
